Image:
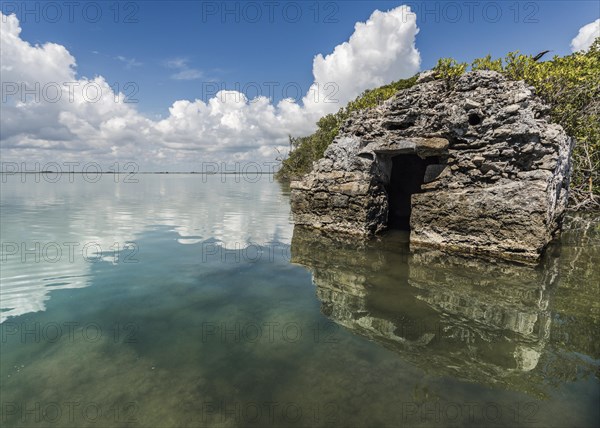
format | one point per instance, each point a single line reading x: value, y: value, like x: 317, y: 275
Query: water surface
x: 187, y: 300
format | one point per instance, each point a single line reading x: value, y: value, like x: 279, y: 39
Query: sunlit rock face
x: 476, y: 167
x: 483, y: 321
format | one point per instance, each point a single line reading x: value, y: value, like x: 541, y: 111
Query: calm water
x: 182, y: 300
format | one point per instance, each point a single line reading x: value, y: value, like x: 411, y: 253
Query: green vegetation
x: 570, y: 85
x: 305, y: 150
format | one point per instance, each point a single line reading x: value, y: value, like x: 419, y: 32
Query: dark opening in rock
x: 398, y: 126
x: 474, y: 119
x: 408, y: 174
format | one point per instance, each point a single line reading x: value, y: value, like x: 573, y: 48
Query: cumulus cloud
x: 49, y: 113
x: 379, y: 51
x: 586, y: 36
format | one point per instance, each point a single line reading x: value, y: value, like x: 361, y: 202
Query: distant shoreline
x: 142, y: 172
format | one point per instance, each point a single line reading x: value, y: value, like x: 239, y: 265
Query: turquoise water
x: 186, y: 300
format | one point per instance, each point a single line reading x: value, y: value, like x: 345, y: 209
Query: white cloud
x: 586, y: 36
x: 129, y: 62
x: 62, y: 116
x: 185, y: 71
x: 380, y: 51
x: 86, y: 121
x: 189, y: 74
x: 179, y: 63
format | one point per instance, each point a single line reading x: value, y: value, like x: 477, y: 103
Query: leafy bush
x: 487, y: 63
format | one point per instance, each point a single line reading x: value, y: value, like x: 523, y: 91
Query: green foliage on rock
x: 449, y: 69
x: 571, y: 87
x: 305, y: 150
x: 487, y: 63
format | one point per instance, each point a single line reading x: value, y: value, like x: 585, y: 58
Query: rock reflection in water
x: 482, y: 321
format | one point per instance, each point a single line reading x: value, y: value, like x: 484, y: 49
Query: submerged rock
x: 475, y: 167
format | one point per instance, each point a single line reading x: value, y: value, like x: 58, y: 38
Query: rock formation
x: 474, y: 166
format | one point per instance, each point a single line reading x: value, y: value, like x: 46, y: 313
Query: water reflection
x: 483, y: 321
x: 523, y: 338
x: 54, y: 233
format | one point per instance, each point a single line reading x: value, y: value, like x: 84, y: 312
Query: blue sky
x: 173, y: 58
x: 277, y: 49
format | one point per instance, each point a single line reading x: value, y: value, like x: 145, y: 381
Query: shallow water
x: 186, y: 300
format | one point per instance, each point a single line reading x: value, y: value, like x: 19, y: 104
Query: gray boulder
x: 475, y: 167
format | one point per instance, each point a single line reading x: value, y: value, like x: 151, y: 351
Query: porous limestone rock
x: 496, y: 179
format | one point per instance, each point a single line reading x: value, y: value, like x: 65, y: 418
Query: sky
x: 181, y: 84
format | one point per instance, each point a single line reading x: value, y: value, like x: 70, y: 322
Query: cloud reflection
x: 225, y: 210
